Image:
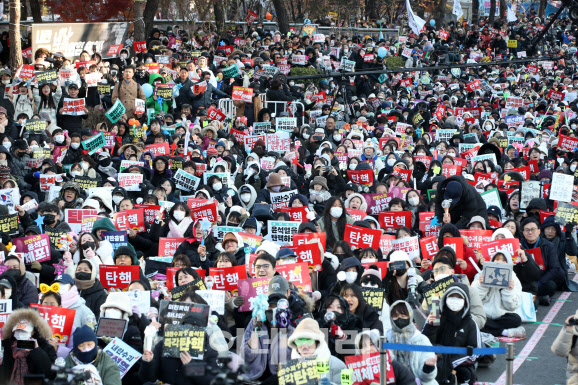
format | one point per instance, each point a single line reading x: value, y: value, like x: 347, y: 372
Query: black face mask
x: 400, y: 273
x: 141, y: 73
x: 82, y: 276
x: 88, y: 245
x: 232, y: 224
x: 49, y: 219
x: 401, y: 322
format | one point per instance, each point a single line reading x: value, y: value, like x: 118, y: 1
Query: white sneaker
x: 518, y: 332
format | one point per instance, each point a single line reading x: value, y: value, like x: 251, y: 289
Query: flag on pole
x: 458, y: 9
x: 416, y: 23
x: 511, y: 15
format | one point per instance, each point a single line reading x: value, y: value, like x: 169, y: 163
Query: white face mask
x: 6, y: 82
x: 350, y: 276
x: 336, y: 212
x: 117, y: 199
x: 59, y: 138
x: 368, y: 260
x: 7, y: 145
x: 113, y: 313
x: 64, y: 288
x: 179, y: 215
x: 390, y: 162
x: 572, y: 167
x: 352, y: 166
x: 441, y: 276
x: 84, y: 166
x: 123, y: 56
x: 217, y: 186
x: 337, y: 137
x: 245, y: 197
x: 414, y: 201
x: 75, y: 145
x: 76, y: 173
x: 455, y: 303
x: 22, y: 335
x: 149, y: 60
x: 7, y: 293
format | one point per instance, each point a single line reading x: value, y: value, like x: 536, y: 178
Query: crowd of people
x: 393, y: 183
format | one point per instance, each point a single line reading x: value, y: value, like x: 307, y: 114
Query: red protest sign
x: 26, y: 71
x: 129, y: 219
x: 140, y: 46
x: 226, y: 278
x: 208, y: 211
x: 356, y: 215
x: 168, y: 246
x: 514, y: 102
x: 308, y: 253
x: 490, y: 177
x: 215, y: 114
x: 429, y: 246
x: 303, y: 238
x: 537, y: 255
x: 118, y: 276
x: 297, y: 214
x: 34, y: 248
x: 228, y: 49
x: 243, y: 94
x: 366, y: 369
x: 391, y: 220
x: 567, y: 143
x: 159, y: 149
x: 59, y: 319
x: 444, y: 35
x: 150, y: 211
x: 457, y: 244
x: 507, y: 246
x: 473, y: 85
x: 381, y: 267
x: 451, y: 170
x: 477, y: 237
x: 85, y: 64
x: 239, y: 135
x: 555, y: 95
x: 297, y: 274
x: 361, y: 238
x: 361, y: 177
x: 27, y: 53
x: 114, y: 50
x: 405, y: 175
x: 200, y: 88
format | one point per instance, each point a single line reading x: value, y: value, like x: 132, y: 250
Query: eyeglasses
x: 440, y: 269
x: 263, y: 267
x: 531, y: 230
x: 304, y: 341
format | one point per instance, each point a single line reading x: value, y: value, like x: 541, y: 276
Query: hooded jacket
x: 151, y: 102
x: 565, y: 346
x: 107, y: 369
x: 414, y: 337
x: 470, y: 204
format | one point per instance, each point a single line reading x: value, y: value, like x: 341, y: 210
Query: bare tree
x: 149, y: 13
x: 503, y: 10
x: 282, y: 16
x: 139, y: 24
x: 15, y: 38
x: 219, y: 17
x: 475, y: 12
x: 542, y: 8
x: 492, y: 13
x: 36, y: 9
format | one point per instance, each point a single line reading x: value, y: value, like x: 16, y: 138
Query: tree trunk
x: 149, y: 14
x: 36, y: 9
x: 15, y: 39
x: 542, y: 9
x: 492, y: 13
x: 440, y: 11
x: 282, y: 17
x: 139, y: 26
x: 475, y: 12
x: 220, y: 17
x: 503, y: 10
x: 371, y: 10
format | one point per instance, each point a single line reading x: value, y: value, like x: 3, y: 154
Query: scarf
x: 178, y: 230
x: 70, y: 297
x: 20, y: 364
x: 84, y: 284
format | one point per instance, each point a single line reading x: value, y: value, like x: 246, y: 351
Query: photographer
x: 565, y: 346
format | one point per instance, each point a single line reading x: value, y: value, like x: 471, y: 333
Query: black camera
x: 572, y: 321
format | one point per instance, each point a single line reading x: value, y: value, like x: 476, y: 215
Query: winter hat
x: 286, y: 253
x: 478, y: 218
x: 212, y: 151
x: 307, y: 328
x: 373, y: 336
x: 274, y: 180
x: 495, y: 210
x: 269, y: 247
x: 320, y: 181
x: 251, y: 223
x: 278, y: 287
x: 124, y: 250
x: 502, y: 231
x: 20, y: 144
x: 64, y: 278
x: 453, y: 191
x: 399, y: 255
x: 118, y: 300
x: 91, y: 203
x: 83, y: 334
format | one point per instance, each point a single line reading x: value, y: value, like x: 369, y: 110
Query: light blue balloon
x: 148, y: 89
x: 432, y: 22
x: 381, y: 52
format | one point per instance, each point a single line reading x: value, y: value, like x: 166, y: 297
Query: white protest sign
x: 529, y: 191
x: 281, y: 199
x: 561, y: 189
x: 492, y: 198
x: 215, y: 299
x: 141, y: 299
x: 122, y: 354
x: 186, y: 181
x: 130, y: 181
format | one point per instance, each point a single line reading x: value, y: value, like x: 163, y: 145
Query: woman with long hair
x: 333, y: 221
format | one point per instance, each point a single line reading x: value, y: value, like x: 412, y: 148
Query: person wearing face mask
x: 247, y: 197
x: 86, y: 351
x: 89, y: 287
x: 71, y: 299
x: 26, y: 325
x: 24, y: 292
x: 396, y: 282
x: 274, y: 184
x: 333, y: 221
x: 349, y: 272
x: 74, y: 150
x: 45, y: 268
x: 456, y: 328
x: 404, y: 331
x: 357, y: 305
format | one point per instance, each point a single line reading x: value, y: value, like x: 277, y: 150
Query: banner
x: 168, y: 246
x: 129, y: 219
x: 118, y: 276
x: 566, y: 214
x: 508, y: 246
x: 281, y: 199
x: 308, y: 253
x: 94, y: 143
x: 70, y: 39
x: 436, y: 288
x: 303, y: 238
x: 429, y: 246
x: 59, y: 319
x: 35, y: 126
x: 243, y: 94
x: 374, y: 297
x: 377, y: 203
x: 159, y: 149
x: 366, y: 369
x: 173, y: 312
x: 208, y: 211
x: 281, y: 232
x: 116, y: 111
x: 297, y: 214
x: 300, y: 371
x: 9, y: 224
x: 251, y: 288
x: 130, y: 181
x: 361, y: 177
x: 34, y: 248
x: 392, y: 220
x: 184, y: 338
x: 226, y: 278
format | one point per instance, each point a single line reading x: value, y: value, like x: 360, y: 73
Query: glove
x: 325, y: 381
x: 316, y: 296
x: 37, y: 175
x: 238, y: 301
x: 35, y: 265
x: 311, y: 215
x: 337, y: 332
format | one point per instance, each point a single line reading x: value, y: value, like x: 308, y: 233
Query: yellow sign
x: 512, y: 43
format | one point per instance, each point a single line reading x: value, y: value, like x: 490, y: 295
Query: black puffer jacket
x: 470, y: 204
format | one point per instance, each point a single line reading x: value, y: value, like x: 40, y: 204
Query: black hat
x: 20, y: 144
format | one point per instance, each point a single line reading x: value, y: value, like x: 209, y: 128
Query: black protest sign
x: 164, y: 91
x: 9, y: 224
x: 47, y: 77
x: 566, y: 214
x: 104, y: 89
x: 85, y: 182
x: 55, y: 236
x: 176, y: 163
x: 36, y: 126
x: 436, y: 288
x: 173, y: 312
x: 184, y: 338
x: 178, y: 292
x: 303, y: 372
x: 373, y: 297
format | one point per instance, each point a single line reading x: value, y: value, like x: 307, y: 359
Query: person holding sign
x: 86, y: 351
x: 72, y: 123
x: 456, y: 328
x: 307, y: 341
x: 127, y: 90
x: 464, y: 202
x: 500, y: 304
x: 25, y: 347
x: 159, y: 100
x: 564, y: 243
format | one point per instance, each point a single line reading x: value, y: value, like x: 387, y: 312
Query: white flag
x: 416, y: 23
x: 511, y: 15
x: 458, y: 9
